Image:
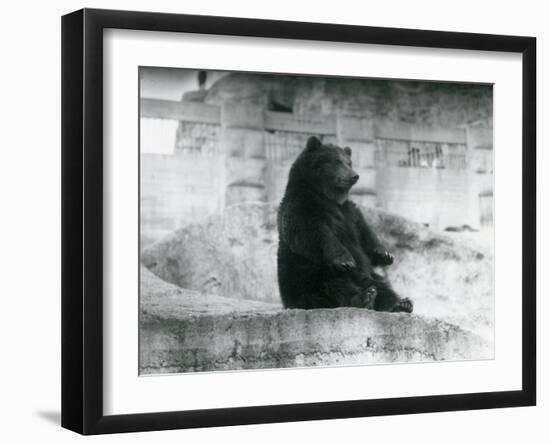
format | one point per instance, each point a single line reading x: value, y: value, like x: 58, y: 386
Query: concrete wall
x: 437, y: 197
x: 177, y: 188
x: 240, y: 152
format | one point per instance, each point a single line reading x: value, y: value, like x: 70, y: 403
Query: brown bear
x: 327, y: 252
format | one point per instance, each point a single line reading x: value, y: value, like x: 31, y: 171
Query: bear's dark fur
x: 327, y: 252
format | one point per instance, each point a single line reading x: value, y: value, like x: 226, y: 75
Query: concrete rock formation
x: 184, y: 331
x: 209, y: 300
x: 233, y: 255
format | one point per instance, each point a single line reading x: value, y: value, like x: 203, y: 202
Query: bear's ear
x: 347, y: 150
x: 313, y: 143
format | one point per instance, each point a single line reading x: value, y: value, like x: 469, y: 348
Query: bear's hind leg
x: 345, y: 293
x: 310, y: 300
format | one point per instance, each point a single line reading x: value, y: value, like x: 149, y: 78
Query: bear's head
x: 326, y: 168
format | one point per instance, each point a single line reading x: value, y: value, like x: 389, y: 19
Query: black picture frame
x: 82, y: 221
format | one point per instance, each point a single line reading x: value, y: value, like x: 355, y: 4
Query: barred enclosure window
x: 419, y: 154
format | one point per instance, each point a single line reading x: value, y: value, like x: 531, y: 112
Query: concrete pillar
x: 242, y: 141
x: 480, y: 169
x: 358, y: 134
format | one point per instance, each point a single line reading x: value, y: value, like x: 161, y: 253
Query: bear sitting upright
x: 327, y: 252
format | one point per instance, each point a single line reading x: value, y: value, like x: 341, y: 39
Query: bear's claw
x: 344, y: 263
x: 382, y: 258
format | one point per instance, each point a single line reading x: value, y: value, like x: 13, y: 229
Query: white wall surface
x: 30, y: 222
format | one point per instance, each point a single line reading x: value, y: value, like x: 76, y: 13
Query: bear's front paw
x: 343, y: 262
x: 404, y: 305
x: 381, y: 257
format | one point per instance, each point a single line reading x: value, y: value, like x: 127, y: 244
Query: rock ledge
x: 186, y: 331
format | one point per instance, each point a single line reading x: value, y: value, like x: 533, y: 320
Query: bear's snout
x: 347, y: 181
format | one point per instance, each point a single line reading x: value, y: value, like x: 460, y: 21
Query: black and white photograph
x: 296, y: 221
x: 275, y: 221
